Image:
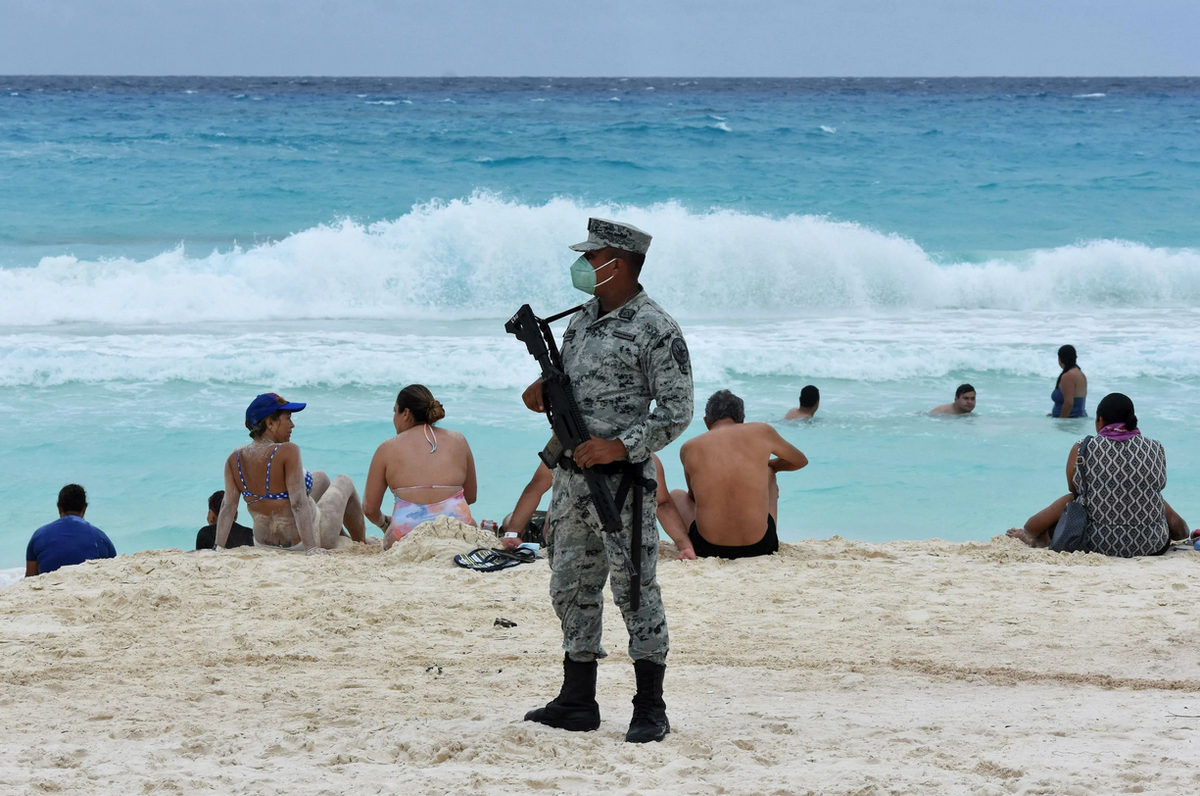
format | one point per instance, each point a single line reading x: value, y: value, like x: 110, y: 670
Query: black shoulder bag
x: 1071, y: 533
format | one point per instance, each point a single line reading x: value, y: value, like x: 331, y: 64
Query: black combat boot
x: 575, y: 707
x: 649, y: 721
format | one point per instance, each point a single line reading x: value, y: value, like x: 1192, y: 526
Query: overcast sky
x: 568, y: 38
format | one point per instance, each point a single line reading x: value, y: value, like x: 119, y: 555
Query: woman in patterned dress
x: 1122, y: 474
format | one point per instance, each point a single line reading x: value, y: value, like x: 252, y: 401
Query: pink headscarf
x: 1118, y: 433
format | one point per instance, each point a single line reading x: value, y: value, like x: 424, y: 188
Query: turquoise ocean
x: 170, y: 247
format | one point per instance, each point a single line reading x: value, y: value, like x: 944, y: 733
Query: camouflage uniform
x: 618, y: 364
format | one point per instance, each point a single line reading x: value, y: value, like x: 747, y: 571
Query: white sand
x: 832, y: 668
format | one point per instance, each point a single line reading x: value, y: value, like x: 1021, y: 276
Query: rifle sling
x: 563, y: 314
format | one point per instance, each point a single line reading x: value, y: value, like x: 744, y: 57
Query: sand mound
x: 439, y: 540
x: 1009, y: 550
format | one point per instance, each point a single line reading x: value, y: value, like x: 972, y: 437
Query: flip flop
x: 522, y: 555
x: 484, y: 560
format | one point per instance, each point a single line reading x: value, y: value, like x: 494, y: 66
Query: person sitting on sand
x: 69, y: 540
x: 1070, y: 390
x: 810, y: 400
x: 206, y: 537
x: 526, y: 510
x: 730, y: 475
x: 964, y: 402
x: 669, y: 518
x: 292, y: 508
x: 430, y: 470
x: 1123, y: 476
x: 543, y: 480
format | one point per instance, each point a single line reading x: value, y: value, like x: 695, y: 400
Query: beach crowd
x: 730, y: 471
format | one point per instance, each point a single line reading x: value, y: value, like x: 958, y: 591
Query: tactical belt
x: 613, y: 468
x: 631, y: 480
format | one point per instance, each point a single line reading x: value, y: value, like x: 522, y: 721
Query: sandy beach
x: 833, y: 667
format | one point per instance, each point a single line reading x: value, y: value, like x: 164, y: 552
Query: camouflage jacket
x: 621, y: 362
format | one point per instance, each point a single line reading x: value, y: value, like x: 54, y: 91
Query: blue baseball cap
x: 267, y: 403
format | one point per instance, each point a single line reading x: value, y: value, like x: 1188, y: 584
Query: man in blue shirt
x: 68, y: 540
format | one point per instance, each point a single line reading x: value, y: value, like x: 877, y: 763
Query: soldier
x: 621, y: 351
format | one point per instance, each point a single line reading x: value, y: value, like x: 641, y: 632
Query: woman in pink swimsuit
x: 429, y: 470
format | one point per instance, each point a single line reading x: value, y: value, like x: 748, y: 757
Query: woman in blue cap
x: 292, y: 508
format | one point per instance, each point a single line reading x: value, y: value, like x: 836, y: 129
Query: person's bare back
x: 730, y: 472
x: 410, y: 461
x: 429, y: 469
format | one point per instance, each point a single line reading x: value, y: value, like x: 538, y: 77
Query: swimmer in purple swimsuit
x: 1070, y: 390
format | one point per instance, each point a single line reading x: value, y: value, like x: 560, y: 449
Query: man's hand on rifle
x: 599, y: 451
x: 534, y: 398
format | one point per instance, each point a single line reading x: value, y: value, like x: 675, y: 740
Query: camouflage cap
x: 603, y: 233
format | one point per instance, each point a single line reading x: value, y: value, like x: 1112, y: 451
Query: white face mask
x: 583, y: 276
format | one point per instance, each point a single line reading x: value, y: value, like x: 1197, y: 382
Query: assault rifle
x: 565, y: 418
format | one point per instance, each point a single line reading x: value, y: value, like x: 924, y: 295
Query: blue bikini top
x: 247, y: 494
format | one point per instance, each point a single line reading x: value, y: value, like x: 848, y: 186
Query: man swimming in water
x: 964, y: 402
x: 810, y: 401
x: 730, y: 470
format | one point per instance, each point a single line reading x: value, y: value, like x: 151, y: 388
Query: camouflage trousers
x: 581, y: 559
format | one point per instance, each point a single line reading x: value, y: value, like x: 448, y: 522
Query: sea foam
x: 469, y: 355
x: 482, y: 256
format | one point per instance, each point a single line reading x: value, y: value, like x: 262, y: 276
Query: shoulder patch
x: 626, y: 313
x: 568, y: 335
x: 679, y: 351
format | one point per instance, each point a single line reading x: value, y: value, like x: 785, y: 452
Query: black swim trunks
x: 763, y: 547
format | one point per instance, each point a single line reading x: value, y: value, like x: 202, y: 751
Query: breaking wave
x: 483, y: 256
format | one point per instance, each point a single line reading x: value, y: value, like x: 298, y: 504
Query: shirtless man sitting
x: 964, y: 402
x: 730, y: 472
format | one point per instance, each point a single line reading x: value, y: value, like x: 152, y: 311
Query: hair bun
x: 435, y: 412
